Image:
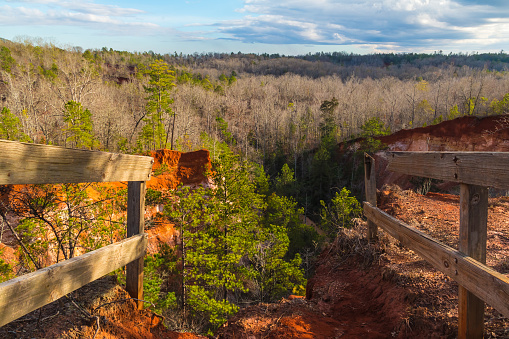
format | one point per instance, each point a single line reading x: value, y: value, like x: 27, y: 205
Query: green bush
x: 340, y: 211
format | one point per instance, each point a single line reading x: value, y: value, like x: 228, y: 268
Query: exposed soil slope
x: 101, y: 309
x: 383, y: 291
x: 358, y: 291
x: 63, y: 318
x: 469, y: 133
x: 400, y: 295
x: 438, y: 215
x: 172, y: 168
x: 343, y: 301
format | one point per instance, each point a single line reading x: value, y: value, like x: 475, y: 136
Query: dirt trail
x: 400, y: 295
x: 345, y: 299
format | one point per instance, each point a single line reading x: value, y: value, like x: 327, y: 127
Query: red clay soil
x: 179, y: 168
x: 469, y: 133
x: 438, y: 216
x: 170, y: 169
x: 62, y: 319
x: 344, y: 299
x: 163, y: 232
x: 399, y: 295
x: 102, y: 302
x: 359, y: 290
x: 383, y: 290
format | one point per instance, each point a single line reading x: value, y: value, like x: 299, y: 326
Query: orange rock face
x: 172, y: 168
x: 465, y: 134
x: 462, y: 134
x: 8, y: 254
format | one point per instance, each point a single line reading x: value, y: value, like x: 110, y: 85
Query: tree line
x: 272, y: 110
x: 259, y: 112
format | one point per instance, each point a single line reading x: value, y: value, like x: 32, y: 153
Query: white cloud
x: 384, y: 24
x: 109, y: 20
x: 85, y: 7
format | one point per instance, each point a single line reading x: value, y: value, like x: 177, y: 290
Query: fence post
x: 472, y: 242
x: 370, y: 188
x: 135, y: 225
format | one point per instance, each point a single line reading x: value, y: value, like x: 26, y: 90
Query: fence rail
x: 473, y: 170
x: 23, y: 163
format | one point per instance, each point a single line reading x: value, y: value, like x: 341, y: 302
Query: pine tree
x: 225, y: 244
x: 6, y: 59
x: 340, y: 211
x: 155, y: 133
x: 79, y: 130
x: 10, y: 127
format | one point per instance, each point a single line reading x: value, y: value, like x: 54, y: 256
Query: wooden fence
x: 22, y: 163
x: 474, y: 171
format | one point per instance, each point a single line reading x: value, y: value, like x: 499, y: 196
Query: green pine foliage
x: 10, y: 127
x: 6, y: 60
x: 223, y: 127
x: 6, y: 271
x: 372, y: 128
x: 49, y: 73
x: 285, y: 182
x: 328, y: 125
x: 283, y: 211
x: 156, y: 269
x: 339, y: 212
x: 274, y: 276
x: 79, y: 129
x: 156, y: 132
x: 228, y: 240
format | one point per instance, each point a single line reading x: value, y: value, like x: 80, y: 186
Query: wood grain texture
x: 24, y: 294
x: 135, y: 225
x: 486, y: 283
x: 370, y: 189
x: 476, y: 168
x: 473, y: 235
x: 23, y: 163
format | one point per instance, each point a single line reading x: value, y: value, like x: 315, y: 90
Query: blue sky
x: 263, y: 26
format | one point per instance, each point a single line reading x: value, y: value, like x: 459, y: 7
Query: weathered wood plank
x: 472, y: 241
x: 23, y: 163
x: 484, y: 282
x: 476, y: 168
x: 29, y: 292
x: 135, y: 225
x: 370, y: 188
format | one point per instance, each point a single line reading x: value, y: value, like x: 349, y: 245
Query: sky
x: 290, y: 27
